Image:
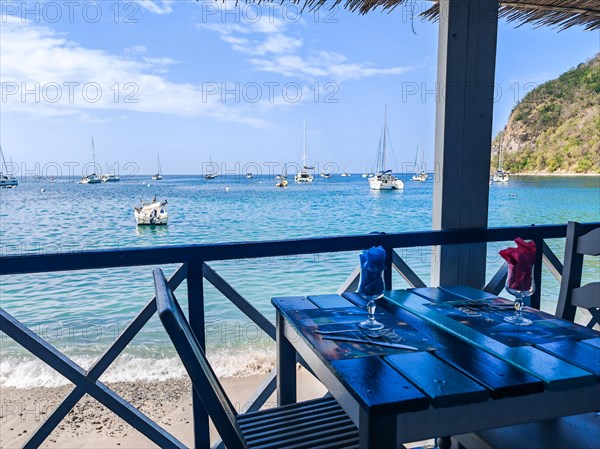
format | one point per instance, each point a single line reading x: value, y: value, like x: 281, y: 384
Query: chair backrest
x: 205, y: 382
x: 572, y: 294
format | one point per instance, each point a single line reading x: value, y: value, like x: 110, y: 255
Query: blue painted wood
x: 355, y: 299
x: 292, y: 303
x: 501, y: 378
x: 195, y: 282
x: 592, y: 341
x: 100, y: 366
x: 576, y: 353
x: 377, y: 387
x: 96, y: 389
x: 555, y: 373
x: 434, y: 294
x: 88, y: 260
x: 444, y: 384
x: 329, y: 301
x: 465, y: 291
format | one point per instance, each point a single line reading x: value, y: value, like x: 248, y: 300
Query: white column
x: 463, y: 133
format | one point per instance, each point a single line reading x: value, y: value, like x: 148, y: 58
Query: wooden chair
x: 319, y: 423
x: 580, y: 431
x: 572, y: 293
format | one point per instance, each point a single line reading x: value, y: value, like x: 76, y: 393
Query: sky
x: 205, y: 81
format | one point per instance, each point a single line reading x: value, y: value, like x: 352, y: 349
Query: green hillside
x: 556, y: 127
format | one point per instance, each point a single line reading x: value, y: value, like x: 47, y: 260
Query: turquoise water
x: 82, y: 312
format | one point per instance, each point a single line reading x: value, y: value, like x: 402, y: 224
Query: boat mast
x: 3, y: 161
x: 93, y: 155
x: 304, y: 146
x: 158, y: 163
x: 384, y: 147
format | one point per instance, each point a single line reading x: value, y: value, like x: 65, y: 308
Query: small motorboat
x: 153, y: 213
x: 282, y: 183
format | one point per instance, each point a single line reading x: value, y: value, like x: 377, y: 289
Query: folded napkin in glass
x: 372, y: 266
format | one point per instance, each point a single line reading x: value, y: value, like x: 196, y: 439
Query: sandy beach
x: 91, y: 425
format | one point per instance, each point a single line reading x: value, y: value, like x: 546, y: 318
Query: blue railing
x: 194, y: 269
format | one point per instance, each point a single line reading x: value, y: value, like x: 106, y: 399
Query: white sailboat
x: 7, y: 181
x: 152, y: 213
x: 158, y: 175
x: 383, y: 179
x: 419, y: 174
x: 110, y: 177
x: 304, y: 176
x: 500, y: 176
x: 93, y: 178
x: 212, y: 175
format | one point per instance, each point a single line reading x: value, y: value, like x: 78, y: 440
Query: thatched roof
x: 560, y: 13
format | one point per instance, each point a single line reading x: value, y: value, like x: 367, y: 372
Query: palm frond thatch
x: 558, y: 13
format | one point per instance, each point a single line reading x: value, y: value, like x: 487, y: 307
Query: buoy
x: 148, y: 185
x: 227, y: 189
x: 42, y: 190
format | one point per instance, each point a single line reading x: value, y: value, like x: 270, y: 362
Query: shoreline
x: 90, y: 425
x: 566, y: 175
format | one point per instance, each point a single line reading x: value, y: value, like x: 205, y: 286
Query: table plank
x: 293, y: 303
x: 355, y: 298
x: 378, y: 387
x: 465, y: 291
x: 433, y: 294
x: 556, y: 374
x: 329, y: 301
x: 595, y: 342
x: 445, y: 385
x: 501, y: 378
x: 579, y: 354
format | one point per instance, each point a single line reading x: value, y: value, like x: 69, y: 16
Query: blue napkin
x: 372, y: 264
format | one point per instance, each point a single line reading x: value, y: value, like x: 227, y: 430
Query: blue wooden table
x: 470, y: 372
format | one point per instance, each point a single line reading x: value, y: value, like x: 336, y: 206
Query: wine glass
x: 520, y: 284
x: 371, y: 288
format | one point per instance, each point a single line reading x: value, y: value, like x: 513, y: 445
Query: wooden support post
x: 463, y: 134
x: 286, y: 365
x: 389, y: 260
x: 537, y: 274
x: 195, y: 283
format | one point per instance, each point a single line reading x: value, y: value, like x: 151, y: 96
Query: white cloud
x: 136, y: 49
x: 271, y: 50
x: 156, y: 6
x: 161, y: 61
x: 59, y: 78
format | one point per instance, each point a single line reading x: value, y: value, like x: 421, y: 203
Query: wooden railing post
x: 389, y: 260
x: 537, y: 273
x: 195, y: 283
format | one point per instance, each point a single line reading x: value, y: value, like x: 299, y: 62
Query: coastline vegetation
x: 556, y: 127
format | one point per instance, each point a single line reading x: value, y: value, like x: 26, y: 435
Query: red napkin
x: 520, y: 260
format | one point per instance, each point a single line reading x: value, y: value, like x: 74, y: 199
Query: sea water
x: 82, y: 312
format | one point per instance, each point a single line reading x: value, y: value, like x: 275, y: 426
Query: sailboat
x: 210, y: 175
x: 110, y: 177
x: 93, y: 178
x: 158, y: 175
x: 500, y: 176
x: 420, y: 174
x: 7, y: 181
x: 384, y: 179
x: 345, y: 174
x: 304, y: 176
